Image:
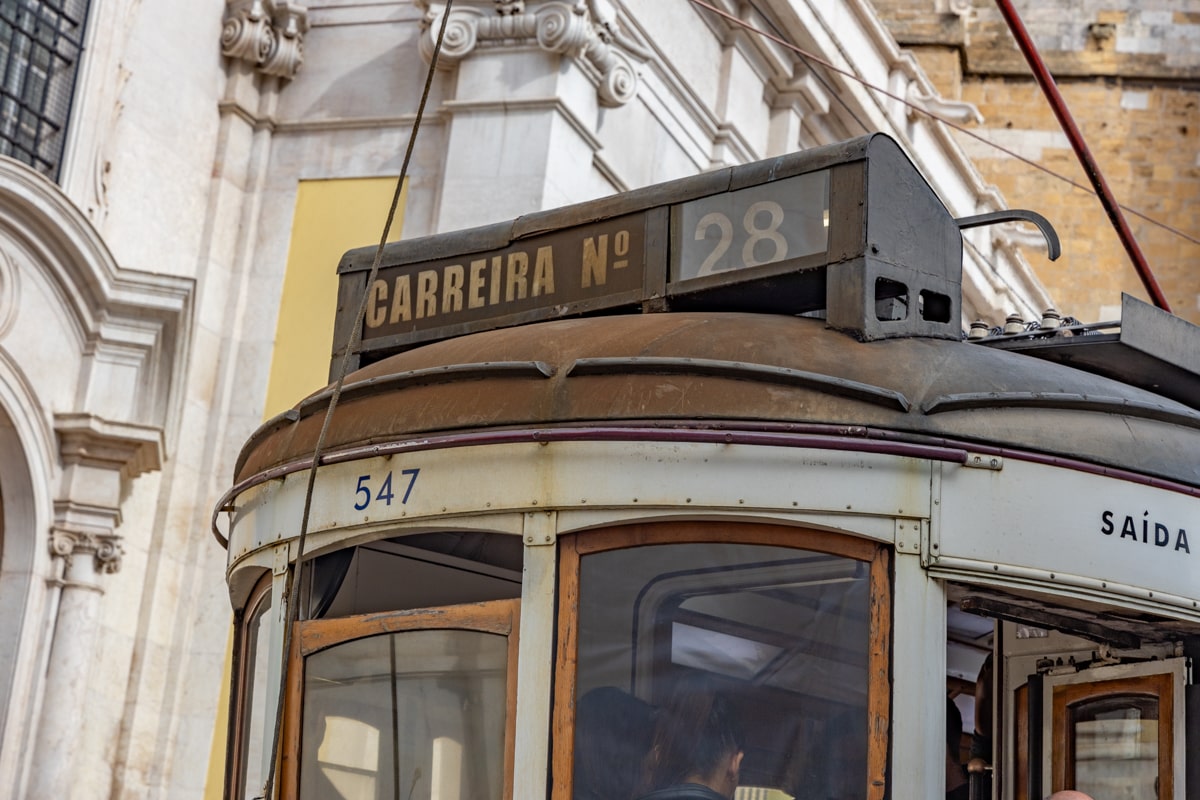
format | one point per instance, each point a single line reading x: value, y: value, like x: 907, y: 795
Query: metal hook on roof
x: 1053, y: 249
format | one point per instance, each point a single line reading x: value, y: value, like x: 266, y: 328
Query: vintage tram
x: 727, y: 428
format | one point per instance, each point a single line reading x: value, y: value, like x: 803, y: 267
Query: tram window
x: 1116, y: 735
x: 400, y: 710
x: 1113, y: 738
x: 415, y: 704
x: 249, y: 736
x: 419, y: 571
x: 781, y: 635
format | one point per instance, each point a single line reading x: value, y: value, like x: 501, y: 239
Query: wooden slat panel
x: 566, y: 660
x: 495, y: 616
x: 726, y: 533
x: 879, y: 690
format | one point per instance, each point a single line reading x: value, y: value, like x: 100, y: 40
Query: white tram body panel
x: 801, y: 516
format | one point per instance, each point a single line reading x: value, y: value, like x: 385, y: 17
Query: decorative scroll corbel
x: 937, y: 106
x: 618, y: 77
x: 462, y: 34
x: 584, y: 30
x: 563, y: 29
x: 247, y: 34
x: 289, y: 24
x: 268, y: 34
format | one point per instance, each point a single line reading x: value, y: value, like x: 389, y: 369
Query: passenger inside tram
x: 762, y: 647
x: 614, y: 734
x: 698, y: 745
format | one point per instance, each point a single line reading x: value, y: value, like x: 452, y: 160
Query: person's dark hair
x: 954, y: 728
x: 695, y: 733
x: 613, y: 731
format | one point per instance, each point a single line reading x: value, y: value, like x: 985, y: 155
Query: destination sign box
x: 760, y: 237
x: 602, y: 260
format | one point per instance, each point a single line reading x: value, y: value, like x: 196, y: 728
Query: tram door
x: 1111, y: 730
x: 413, y: 704
x: 1083, y: 720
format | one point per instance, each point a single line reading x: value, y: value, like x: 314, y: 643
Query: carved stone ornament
x: 105, y: 549
x: 266, y: 33
x: 937, y: 106
x: 586, y: 30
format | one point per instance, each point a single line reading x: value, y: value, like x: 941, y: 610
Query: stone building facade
x: 1130, y: 75
x: 149, y: 232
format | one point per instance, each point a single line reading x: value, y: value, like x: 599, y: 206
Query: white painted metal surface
x: 438, y: 488
x: 1075, y: 532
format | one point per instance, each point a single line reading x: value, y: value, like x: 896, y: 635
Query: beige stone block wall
x: 1147, y: 155
x: 1129, y: 77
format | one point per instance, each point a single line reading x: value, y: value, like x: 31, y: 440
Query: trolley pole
x: 1059, y: 106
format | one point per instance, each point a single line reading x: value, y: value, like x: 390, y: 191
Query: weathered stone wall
x: 1131, y: 79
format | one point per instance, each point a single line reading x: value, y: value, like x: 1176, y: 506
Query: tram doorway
x: 1083, y: 697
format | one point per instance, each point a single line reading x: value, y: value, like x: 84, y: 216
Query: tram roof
x: 555, y: 319
x: 739, y: 371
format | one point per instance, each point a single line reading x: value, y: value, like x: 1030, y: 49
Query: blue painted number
x: 386, y: 493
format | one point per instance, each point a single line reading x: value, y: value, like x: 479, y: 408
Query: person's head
x: 613, y: 731
x: 696, y: 739
x: 1069, y: 794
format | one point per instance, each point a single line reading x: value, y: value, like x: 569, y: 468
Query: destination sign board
x: 565, y: 267
x: 783, y: 235
x: 751, y: 227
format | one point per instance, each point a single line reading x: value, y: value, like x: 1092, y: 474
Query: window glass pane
x: 752, y: 227
x: 1116, y: 747
x: 417, y: 715
x: 421, y: 571
x: 40, y: 48
x: 253, y: 737
x: 692, y: 653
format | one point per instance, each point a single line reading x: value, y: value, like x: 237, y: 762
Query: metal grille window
x: 40, y: 46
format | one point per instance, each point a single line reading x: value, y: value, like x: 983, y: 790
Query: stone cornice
x: 586, y: 31
x: 124, y: 447
x: 269, y: 34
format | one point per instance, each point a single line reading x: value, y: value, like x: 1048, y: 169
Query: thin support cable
x: 294, y: 582
x: 815, y: 59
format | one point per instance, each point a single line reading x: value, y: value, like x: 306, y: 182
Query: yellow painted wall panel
x: 331, y: 217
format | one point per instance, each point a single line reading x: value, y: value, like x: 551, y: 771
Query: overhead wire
x: 808, y: 56
x: 293, y: 589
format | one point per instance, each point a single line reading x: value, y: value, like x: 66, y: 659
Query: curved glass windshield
x: 416, y: 715
x: 740, y: 667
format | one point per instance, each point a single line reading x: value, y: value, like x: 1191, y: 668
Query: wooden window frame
x: 311, y: 636
x: 1159, y: 685
x: 572, y: 547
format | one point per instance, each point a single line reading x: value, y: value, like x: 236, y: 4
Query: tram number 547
x: 366, y: 493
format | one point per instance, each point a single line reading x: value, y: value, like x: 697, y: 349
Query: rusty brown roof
x: 735, y: 371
